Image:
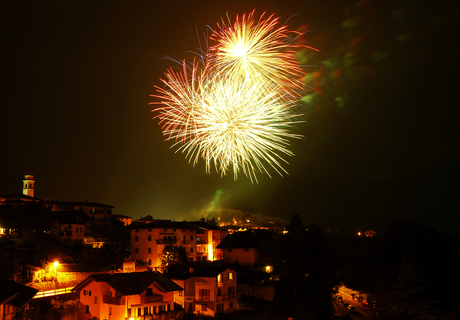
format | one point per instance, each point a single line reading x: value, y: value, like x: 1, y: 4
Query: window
x: 231, y: 304
x: 139, y: 312
x: 229, y: 249
x: 129, y: 312
x: 219, y: 292
x: 231, y: 291
x: 191, y: 249
x: 146, y: 311
x: 149, y: 238
x: 84, y: 292
x: 219, y: 278
x: 136, y: 250
x: 204, y: 307
x: 150, y: 250
x: 110, y: 310
x: 191, y: 238
x: 95, y: 300
x: 137, y: 230
x: 230, y: 276
x: 87, y: 308
x: 89, y: 293
x: 181, y: 293
x: 137, y: 238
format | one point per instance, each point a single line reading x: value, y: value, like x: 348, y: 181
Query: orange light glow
x: 210, y: 253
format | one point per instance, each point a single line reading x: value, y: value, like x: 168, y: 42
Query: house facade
x: 200, y: 240
x: 69, y: 226
x: 208, y: 290
x: 120, y: 296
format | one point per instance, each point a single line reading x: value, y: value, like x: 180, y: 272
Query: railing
x: 51, y: 293
x: 166, y: 241
x: 162, y: 316
x: 228, y: 297
x: 114, y: 300
x: 150, y: 299
x: 201, y: 241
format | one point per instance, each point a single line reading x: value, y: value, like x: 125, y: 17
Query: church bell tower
x: 28, y: 184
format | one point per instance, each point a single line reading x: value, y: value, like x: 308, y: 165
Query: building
x: 208, y: 290
x: 128, y: 296
x: 14, y: 299
x: 28, y: 184
x: 199, y: 239
x: 125, y: 219
x: 69, y: 226
x: 249, y: 247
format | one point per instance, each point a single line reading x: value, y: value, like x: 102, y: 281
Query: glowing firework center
x: 236, y: 107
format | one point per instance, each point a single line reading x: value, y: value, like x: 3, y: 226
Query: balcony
x: 166, y: 241
x: 228, y: 297
x: 150, y: 299
x: 163, y: 316
x: 201, y: 241
x: 114, y: 301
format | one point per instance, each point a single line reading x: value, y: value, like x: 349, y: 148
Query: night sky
x: 381, y: 132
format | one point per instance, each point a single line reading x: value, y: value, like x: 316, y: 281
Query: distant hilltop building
x: 28, y: 184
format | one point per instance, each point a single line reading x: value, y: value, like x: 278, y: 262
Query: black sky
x: 381, y: 138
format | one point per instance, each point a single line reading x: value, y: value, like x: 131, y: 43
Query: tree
x: 173, y: 255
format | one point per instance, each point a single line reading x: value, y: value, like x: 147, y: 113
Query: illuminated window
x: 230, y: 276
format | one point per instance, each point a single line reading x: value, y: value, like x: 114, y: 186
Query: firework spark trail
x: 237, y: 109
x: 254, y: 49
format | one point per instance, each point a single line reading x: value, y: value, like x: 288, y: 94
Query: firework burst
x: 237, y: 108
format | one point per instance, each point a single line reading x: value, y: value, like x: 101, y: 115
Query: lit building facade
x: 208, y: 290
x: 133, y: 295
x: 199, y: 239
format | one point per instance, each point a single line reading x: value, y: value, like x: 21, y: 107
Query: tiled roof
x: 79, y: 203
x: 132, y: 283
x: 246, y: 239
x: 15, y: 293
x: 163, y: 224
x: 70, y: 217
x: 203, y: 271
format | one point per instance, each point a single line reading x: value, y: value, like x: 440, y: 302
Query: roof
x: 131, y: 283
x: 202, y: 271
x: 15, y: 293
x: 79, y: 203
x: 204, y: 225
x: 246, y: 239
x: 71, y: 217
x: 163, y: 224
